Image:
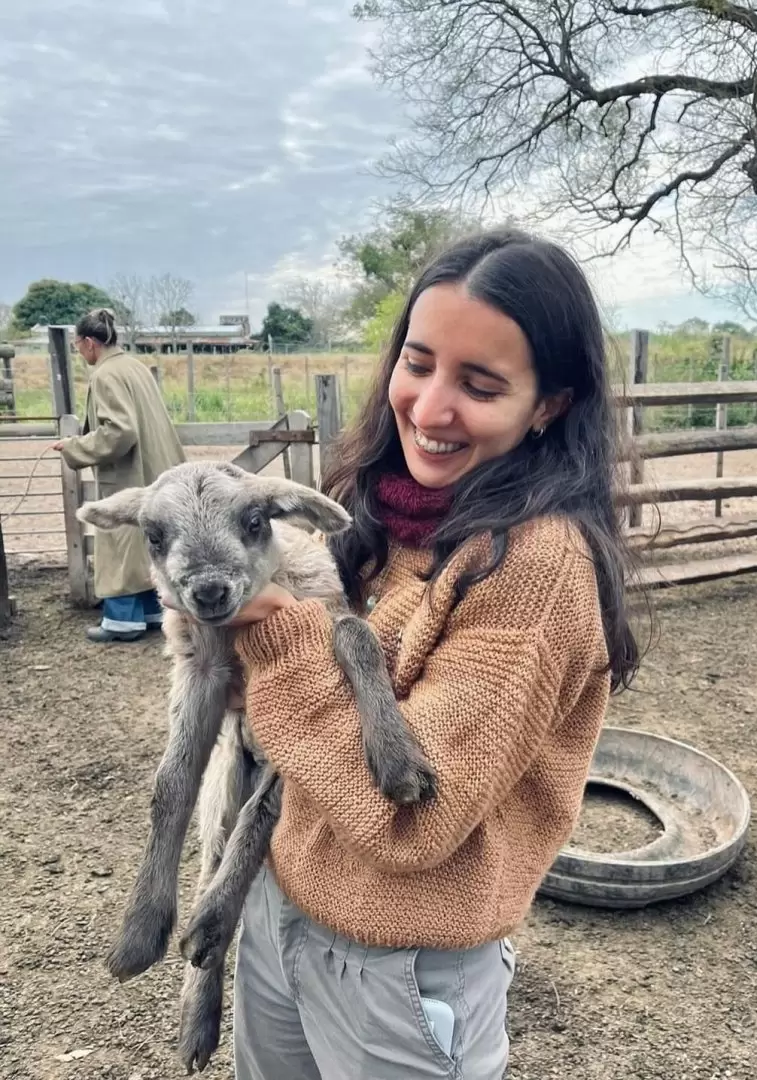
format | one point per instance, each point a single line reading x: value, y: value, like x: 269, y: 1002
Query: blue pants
x: 129, y: 613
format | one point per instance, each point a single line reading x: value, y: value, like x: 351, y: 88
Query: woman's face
x: 464, y: 389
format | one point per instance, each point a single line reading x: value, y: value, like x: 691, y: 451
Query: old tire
x: 703, y: 808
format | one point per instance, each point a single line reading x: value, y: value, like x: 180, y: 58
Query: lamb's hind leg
x: 213, y: 922
x: 392, y: 752
x: 198, y: 701
x: 226, y: 787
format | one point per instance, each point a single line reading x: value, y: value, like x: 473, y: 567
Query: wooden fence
x: 294, y: 436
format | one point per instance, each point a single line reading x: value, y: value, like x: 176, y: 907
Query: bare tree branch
x: 168, y: 296
x: 510, y: 96
x: 323, y: 302
x: 129, y: 293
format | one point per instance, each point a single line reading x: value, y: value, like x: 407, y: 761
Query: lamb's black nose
x: 213, y: 593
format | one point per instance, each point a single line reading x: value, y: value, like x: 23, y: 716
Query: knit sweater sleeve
x: 515, y: 658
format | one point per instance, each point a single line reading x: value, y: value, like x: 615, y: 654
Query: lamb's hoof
x: 206, y: 940
x: 415, y: 784
x: 200, y: 1024
x: 404, y: 776
x: 143, y: 941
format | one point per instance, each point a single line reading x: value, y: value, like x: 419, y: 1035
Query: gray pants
x: 311, y: 1005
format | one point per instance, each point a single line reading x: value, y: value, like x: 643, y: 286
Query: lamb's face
x: 210, y: 544
x: 208, y: 531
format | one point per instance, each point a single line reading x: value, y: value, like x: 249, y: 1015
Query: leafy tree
x: 531, y: 96
x: 378, y: 329
x: 387, y: 259
x: 730, y: 327
x: 694, y: 327
x: 49, y: 303
x: 286, y: 325
x: 179, y: 317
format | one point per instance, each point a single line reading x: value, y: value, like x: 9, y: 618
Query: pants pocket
x: 445, y: 1061
x: 507, y: 953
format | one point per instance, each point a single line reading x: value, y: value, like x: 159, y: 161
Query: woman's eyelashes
x: 479, y: 393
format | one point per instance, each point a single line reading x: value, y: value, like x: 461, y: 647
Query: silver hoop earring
x: 538, y: 432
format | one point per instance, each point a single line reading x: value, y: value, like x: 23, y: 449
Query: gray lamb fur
x: 216, y: 537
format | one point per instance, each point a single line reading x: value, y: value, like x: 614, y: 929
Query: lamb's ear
x: 285, y: 499
x: 120, y: 509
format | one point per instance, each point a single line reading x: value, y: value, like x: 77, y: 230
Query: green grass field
x: 237, y: 387
x: 233, y: 387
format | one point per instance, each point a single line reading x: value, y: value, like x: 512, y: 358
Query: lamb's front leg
x: 211, y: 927
x: 392, y: 753
x: 198, y: 702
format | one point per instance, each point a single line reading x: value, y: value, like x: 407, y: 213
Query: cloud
x: 207, y: 138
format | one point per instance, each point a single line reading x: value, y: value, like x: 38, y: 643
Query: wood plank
x: 61, y: 371
x: 687, y: 573
x: 255, y: 458
x: 721, y: 412
x: 707, y: 440
x: 233, y: 433
x: 301, y: 454
x: 682, y: 393
x: 637, y: 374
x: 730, y: 487
x: 5, y: 595
x: 190, y: 381
x: 279, y: 409
x: 698, y: 532
x: 72, y: 500
x: 329, y: 413
x: 25, y: 431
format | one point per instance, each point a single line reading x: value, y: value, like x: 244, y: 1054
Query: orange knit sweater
x: 506, y: 692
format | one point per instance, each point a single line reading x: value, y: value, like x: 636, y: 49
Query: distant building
x: 231, y: 334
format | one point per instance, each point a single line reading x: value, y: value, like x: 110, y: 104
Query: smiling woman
x: 485, y: 552
x: 465, y: 389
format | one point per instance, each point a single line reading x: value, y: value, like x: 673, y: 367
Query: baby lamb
x: 217, y: 536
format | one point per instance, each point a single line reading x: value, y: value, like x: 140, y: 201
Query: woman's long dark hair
x: 569, y: 471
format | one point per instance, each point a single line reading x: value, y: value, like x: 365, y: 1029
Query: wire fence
x: 223, y: 387
x: 240, y: 386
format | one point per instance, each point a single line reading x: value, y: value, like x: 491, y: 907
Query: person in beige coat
x: 128, y: 439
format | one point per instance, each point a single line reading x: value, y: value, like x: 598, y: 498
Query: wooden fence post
x: 157, y: 374
x: 61, y: 371
x: 638, y: 362
x: 6, y: 606
x: 329, y: 414
x: 721, y: 411
x: 190, y: 382
x: 279, y: 410
x: 72, y: 500
x: 301, y: 454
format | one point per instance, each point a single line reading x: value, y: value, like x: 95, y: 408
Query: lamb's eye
x: 253, y: 522
x: 155, y: 537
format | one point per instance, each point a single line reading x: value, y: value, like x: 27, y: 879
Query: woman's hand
x: 269, y: 600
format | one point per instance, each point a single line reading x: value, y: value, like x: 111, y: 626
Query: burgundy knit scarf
x: 410, y: 511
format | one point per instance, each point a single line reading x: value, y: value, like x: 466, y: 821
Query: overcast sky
x: 209, y: 138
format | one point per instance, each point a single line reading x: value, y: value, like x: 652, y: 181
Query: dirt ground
x: 669, y: 993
